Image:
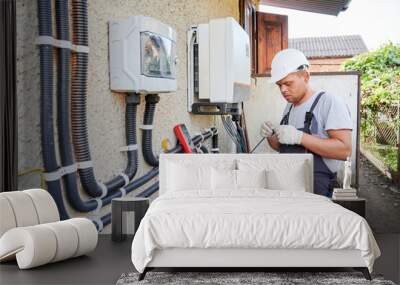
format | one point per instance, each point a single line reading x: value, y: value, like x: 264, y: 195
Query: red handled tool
x: 184, y: 138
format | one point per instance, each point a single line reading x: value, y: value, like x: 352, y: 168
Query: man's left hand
x: 288, y: 134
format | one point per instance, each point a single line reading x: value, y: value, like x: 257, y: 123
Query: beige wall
x: 105, y: 109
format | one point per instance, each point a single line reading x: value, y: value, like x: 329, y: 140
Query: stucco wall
x: 106, y: 110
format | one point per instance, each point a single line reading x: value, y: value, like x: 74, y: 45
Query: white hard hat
x: 287, y: 61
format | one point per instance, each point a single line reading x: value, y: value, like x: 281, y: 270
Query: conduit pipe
x: 46, y: 105
x: 63, y: 80
x: 149, y: 191
x: 214, y: 144
x: 204, y: 149
x: 147, y: 147
x: 106, y: 219
x: 70, y: 179
x: 80, y: 60
x: 79, y: 117
x: 95, y: 204
x: 132, y: 101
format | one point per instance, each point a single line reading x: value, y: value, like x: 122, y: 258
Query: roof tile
x: 334, y: 46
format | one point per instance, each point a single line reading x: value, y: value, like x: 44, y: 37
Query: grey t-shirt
x: 331, y: 113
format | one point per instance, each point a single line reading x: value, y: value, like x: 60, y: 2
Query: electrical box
x: 142, y: 55
x: 219, y: 66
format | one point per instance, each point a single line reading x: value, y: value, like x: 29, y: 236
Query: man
x: 316, y: 122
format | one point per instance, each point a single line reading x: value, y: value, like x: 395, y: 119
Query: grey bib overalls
x: 323, y: 176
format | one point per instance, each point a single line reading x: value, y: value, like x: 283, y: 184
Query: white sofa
x: 31, y: 231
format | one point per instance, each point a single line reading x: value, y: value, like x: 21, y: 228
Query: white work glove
x: 267, y: 129
x: 288, y: 134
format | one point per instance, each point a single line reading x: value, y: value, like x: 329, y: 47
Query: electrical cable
x: 241, y: 136
x: 228, y: 129
x: 229, y: 132
x: 235, y: 133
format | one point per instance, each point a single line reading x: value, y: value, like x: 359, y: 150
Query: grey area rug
x: 273, y: 278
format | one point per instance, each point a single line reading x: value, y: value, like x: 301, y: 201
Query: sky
x: 377, y: 21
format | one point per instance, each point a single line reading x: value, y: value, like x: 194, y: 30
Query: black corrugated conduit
x: 196, y: 140
x: 149, y: 191
x: 79, y: 121
x: 46, y: 101
x: 147, y: 147
x: 79, y: 117
x: 106, y: 219
x: 64, y: 128
x: 204, y: 149
x: 78, y: 98
x: 154, y: 172
x: 93, y: 204
x: 132, y: 101
x: 63, y: 80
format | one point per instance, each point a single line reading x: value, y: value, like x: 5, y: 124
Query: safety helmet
x: 287, y: 61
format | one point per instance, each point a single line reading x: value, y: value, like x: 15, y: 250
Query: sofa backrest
x: 283, y: 163
x: 26, y: 208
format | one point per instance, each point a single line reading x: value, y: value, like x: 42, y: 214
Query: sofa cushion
x: 188, y: 177
x: 251, y: 178
x: 281, y: 173
x: 24, y: 209
x: 7, y: 217
x: 223, y: 179
x: 45, y: 206
x: 281, y: 180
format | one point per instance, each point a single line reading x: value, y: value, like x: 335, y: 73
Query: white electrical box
x: 142, y: 55
x: 219, y: 62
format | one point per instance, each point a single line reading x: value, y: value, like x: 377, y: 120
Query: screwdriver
x: 273, y: 132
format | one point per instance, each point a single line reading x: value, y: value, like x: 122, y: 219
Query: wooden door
x: 272, y: 36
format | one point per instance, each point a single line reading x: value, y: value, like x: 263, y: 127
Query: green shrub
x: 380, y: 76
x: 380, y: 89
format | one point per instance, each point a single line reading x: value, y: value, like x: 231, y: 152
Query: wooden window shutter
x: 248, y: 22
x: 271, y: 37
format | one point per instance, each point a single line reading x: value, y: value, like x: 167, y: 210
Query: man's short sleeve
x: 338, y: 114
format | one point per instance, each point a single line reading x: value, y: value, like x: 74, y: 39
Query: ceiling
x: 329, y: 7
